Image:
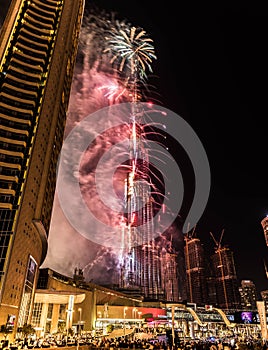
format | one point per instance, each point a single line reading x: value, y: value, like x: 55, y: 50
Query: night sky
x: 211, y: 69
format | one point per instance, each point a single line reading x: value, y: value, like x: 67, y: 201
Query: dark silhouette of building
x: 174, y: 277
x: 211, y: 288
x: 38, y: 47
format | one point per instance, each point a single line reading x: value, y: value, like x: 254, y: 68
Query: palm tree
x: 26, y: 330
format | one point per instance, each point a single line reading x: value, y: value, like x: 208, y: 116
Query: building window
x: 36, y: 315
x: 50, y: 310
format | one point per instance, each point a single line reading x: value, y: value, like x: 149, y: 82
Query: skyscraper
x: 38, y: 46
x: 224, y: 272
x: 264, y: 296
x: 264, y: 224
x: 141, y: 262
x: 248, y: 295
x: 225, y: 278
x: 195, y: 271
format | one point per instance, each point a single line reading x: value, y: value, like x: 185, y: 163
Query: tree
x: 70, y: 332
x: 26, y: 330
x: 109, y: 328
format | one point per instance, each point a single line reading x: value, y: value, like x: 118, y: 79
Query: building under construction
x: 225, y: 277
x: 195, y: 271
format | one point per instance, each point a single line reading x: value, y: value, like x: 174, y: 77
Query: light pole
x: 125, y: 309
x: 79, y: 327
x: 69, y: 315
x: 173, y: 320
x: 79, y: 324
x: 134, y: 310
x: 69, y: 311
x: 139, y: 313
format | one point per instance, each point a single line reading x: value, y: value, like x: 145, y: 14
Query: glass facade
x: 27, y: 297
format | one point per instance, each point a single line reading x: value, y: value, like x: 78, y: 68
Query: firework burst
x: 120, y: 50
x: 132, y: 52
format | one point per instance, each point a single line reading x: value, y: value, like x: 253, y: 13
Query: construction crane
x: 218, y: 243
x: 218, y: 250
x: 190, y: 234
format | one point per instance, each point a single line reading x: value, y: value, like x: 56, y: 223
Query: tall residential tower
x: 224, y: 270
x: 195, y: 271
x: 38, y: 46
x: 264, y: 224
x: 248, y: 295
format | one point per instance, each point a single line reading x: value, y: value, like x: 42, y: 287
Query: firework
x: 118, y: 49
x: 113, y: 60
x: 132, y: 49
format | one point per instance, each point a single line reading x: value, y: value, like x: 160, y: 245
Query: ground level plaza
x: 60, y: 307
x: 136, y: 341
x: 185, y: 321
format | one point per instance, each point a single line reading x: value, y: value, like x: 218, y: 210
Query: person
x: 219, y: 345
x: 213, y: 346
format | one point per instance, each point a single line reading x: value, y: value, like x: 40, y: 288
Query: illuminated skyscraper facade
x: 264, y: 296
x: 195, y: 271
x: 151, y: 263
x: 142, y: 257
x: 248, y: 295
x: 225, y: 278
x: 38, y: 46
x: 264, y: 224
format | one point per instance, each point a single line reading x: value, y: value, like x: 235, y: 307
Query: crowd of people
x: 135, y: 341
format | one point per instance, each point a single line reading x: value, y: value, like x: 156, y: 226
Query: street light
x: 125, y: 309
x: 173, y: 321
x: 79, y: 324
x: 134, y: 310
x: 69, y: 317
x: 139, y: 313
x: 79, y: 327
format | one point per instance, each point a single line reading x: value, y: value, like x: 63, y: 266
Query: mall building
x: 62, y: 304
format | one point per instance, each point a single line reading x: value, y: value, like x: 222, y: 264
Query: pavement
x: 119, y: 333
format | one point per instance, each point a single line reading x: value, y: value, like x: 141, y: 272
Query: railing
x: 195, y: 316
x: 224, y: 317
